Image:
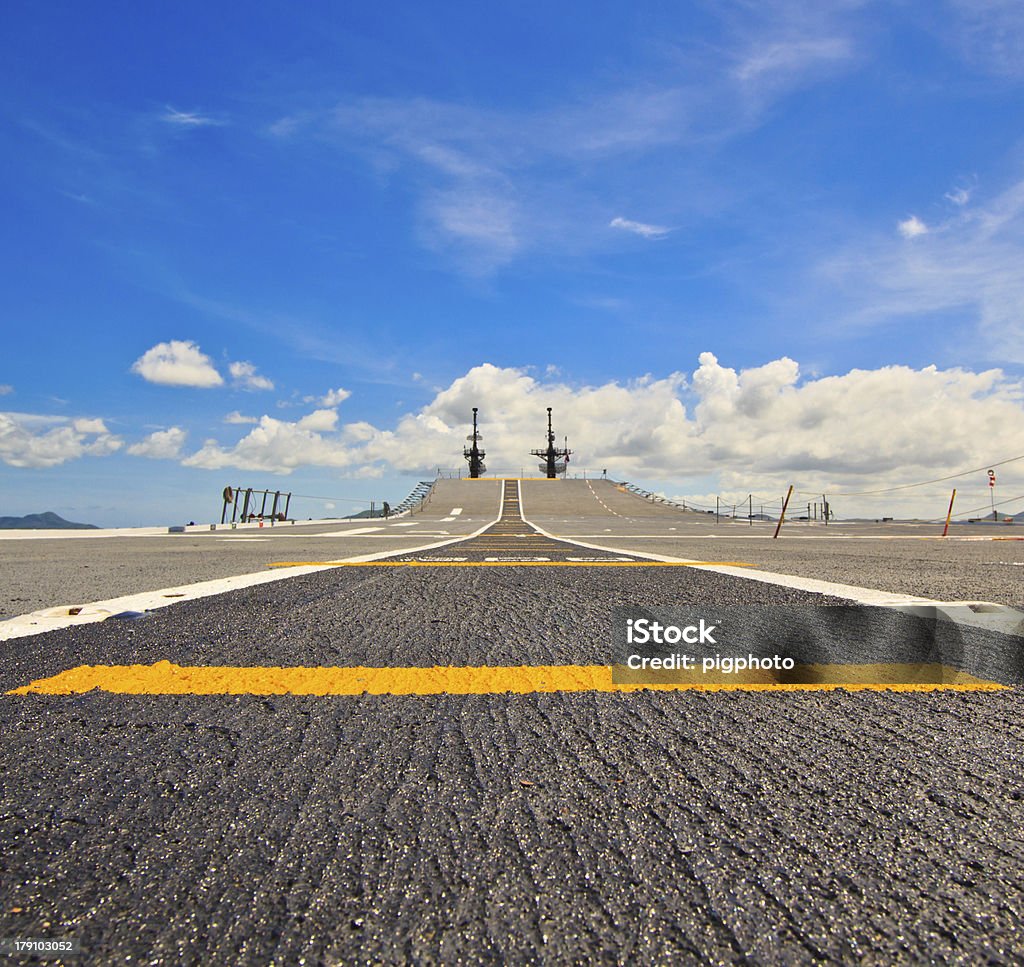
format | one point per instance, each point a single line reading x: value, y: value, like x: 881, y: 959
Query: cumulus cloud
x: 90, y: 426
x: 245, y: 377
x: 764, y: 426
x: 161, y: 445
x: 235, y: 417
x: 179, y: 362
x: 279, y: 446
x: 639, y: 228
x: 766, y: 419
x: 6, y: 388
x: 319, y: 420
x: 333, y: 397
x: 912, y: 227
x: 32, y: 440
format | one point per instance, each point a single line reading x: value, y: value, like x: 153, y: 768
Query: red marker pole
x: 782, y: 516
x: 945, y: 530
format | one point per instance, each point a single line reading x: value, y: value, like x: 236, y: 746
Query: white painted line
x: 979, y: 614
x: 389, y: 535
x: 52, y: 619
x: 802, y: 538
x: 456, y: 511
x: 386, y: 533
x: 18, y: 534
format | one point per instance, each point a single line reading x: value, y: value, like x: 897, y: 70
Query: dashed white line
x: 603, y: 504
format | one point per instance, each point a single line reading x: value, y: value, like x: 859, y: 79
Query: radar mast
x: 555, y: 459
x: 473, y: 453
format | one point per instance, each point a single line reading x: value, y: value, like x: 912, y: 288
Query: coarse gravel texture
x: 651, y: 829
x: 647, y: 828
x: 391, y: 616
x: 41, y: 574
x: 944, y: 571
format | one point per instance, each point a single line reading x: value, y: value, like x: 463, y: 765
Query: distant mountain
x: 47, y: 521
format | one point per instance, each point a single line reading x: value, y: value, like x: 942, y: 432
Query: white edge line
x: 38, y: 623
x: 994, y: 616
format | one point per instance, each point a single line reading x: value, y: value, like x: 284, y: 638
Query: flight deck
x: 404, y: 745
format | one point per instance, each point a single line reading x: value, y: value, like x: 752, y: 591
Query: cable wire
x: 923, y: 483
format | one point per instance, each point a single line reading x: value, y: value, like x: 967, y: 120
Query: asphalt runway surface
x: 73, y: 568
x: 647, y: 827
x: 978, y: 562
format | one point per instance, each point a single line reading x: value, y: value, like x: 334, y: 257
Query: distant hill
x: 47, y: 521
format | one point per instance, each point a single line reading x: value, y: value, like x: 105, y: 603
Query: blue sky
x: 346, y: 224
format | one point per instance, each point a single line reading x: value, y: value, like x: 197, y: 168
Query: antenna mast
x: 555, y: 459
x: 473, y: 453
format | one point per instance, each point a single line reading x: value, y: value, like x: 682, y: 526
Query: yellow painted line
x: 165, y: 678
x: 511, y: 563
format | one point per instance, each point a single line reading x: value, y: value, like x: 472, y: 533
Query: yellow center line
x: 165, y: 678
x: 510, y: 563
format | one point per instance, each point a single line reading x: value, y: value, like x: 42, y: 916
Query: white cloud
x: 285, y: 127
x: 319, y: 421
x: 88, y: 426
x: 482, y: 228
x: 278, y: 446
x: 188, y: 119
x: 177, y: 363
x: 238, y: 418
x: 245, y: 376
x: 774, y: 60
x: 33, y: 440
x: 161, y: 445
x: 990, y: 34
x: 958, y: 196
x: 334, y: 397
x: 639, y: 228
x: 912, y: 227
x: 6, y: 388
x: 969, y: 265
x: 491, y: 185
